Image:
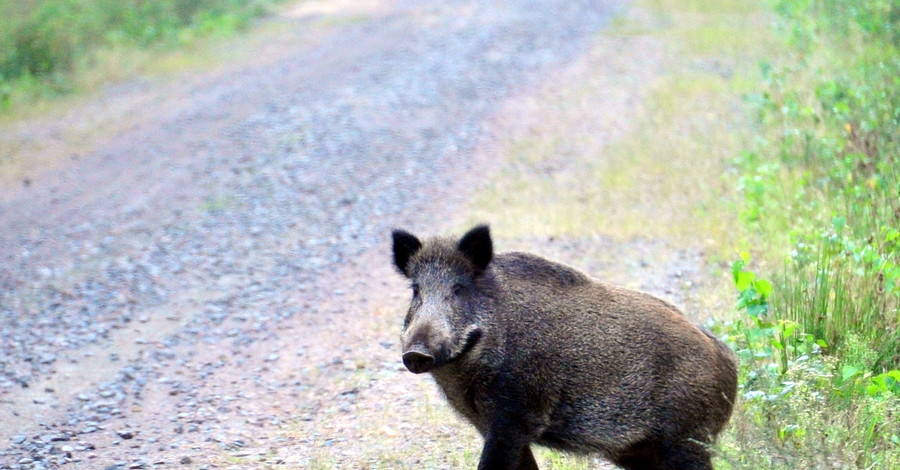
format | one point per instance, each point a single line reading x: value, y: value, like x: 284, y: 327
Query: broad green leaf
x: 736, y: 268
x: 874, y: 390
x: 788, y: 329
x: 848, y: 372
x: 743, y: 280
x: 891, y: 235
x: 763, y: 286
x: 757, y: 310
x: 838, y: 223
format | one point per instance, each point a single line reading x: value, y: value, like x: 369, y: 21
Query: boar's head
x: 448, y: 289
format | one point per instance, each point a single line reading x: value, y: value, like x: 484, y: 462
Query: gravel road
x: 155, y: 289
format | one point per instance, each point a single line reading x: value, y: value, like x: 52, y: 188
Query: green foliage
x: 804, y: 408
x: 825, y: 178
x: 45, y: 40
x: 754, y: 293
x: 764, y: 336
x: 820, y: 346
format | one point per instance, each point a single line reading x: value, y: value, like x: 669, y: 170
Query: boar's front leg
x: 526, y: 460
x: 506, y: 448
x: 500, y: 456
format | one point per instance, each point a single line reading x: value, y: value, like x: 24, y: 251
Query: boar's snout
x: 418, y: 362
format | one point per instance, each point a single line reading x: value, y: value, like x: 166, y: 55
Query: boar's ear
x: 477, y: 246
x: 405, y: 245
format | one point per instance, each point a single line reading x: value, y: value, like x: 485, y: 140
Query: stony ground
x: 204, y: 282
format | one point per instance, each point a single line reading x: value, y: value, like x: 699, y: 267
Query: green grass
x: 821, y: 200
x: 825, y: 180
x: 801, y: 407
x: 45, y: 45
x: 664, y: 177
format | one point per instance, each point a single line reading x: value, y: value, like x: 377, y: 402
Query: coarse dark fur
x: 533, y: 351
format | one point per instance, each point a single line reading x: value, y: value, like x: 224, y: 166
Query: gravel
x: 213, y: 229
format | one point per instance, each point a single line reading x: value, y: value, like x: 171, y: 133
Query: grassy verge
x: 820, y: 197
x: 771, y: 130
x: 53, y: 48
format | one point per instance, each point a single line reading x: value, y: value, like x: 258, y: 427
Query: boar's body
x: 566, y: 361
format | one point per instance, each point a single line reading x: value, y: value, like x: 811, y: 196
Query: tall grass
x: 825, y: 181
x: 820, y: 345
x: 42, y: 42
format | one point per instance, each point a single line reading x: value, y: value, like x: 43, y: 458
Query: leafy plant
x: 825, y: 178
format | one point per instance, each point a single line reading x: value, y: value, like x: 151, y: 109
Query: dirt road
x: 204, y: 283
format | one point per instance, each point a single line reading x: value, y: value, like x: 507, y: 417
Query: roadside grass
x: 829, y: 163
x: 820, y: 342
x: 50, y: 49
x: 772, y: 129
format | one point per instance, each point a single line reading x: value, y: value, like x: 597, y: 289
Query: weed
x: 825, y: 182
x: 820, y: 345
x: 806, y: 408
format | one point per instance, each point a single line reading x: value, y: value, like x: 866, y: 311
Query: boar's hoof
x: 418, y: 362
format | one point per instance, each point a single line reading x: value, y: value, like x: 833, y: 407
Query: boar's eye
x: 415, y: 289
x: 458, y: 289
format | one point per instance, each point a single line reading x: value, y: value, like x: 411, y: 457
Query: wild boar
x: 533, y: 351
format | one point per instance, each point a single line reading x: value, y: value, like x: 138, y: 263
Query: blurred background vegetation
x: 42, y: 43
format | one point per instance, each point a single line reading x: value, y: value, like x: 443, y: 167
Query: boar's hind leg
x: 643, y: 455
x: 687, y: 455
